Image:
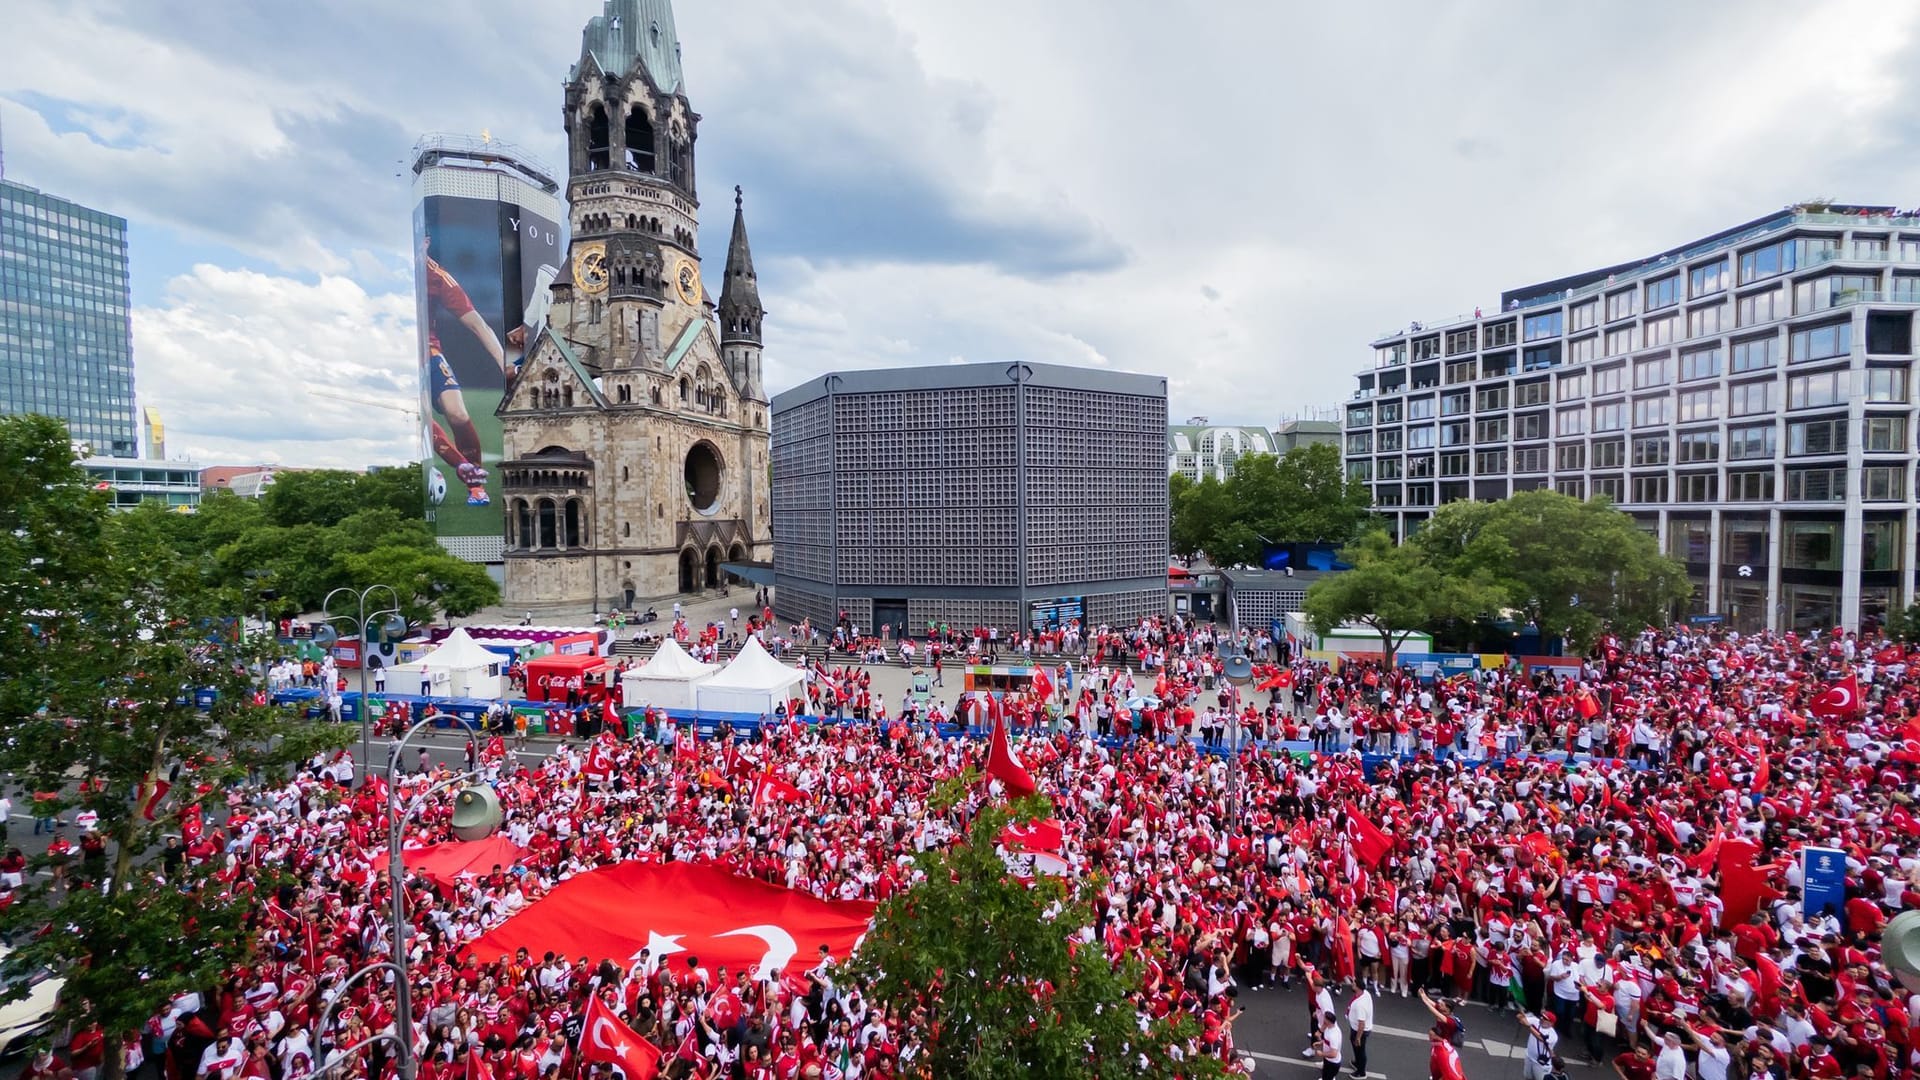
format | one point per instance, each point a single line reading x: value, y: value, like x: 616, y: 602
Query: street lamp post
x: 326, y: 635
x: 476, y: 814
x: 1238, y: 671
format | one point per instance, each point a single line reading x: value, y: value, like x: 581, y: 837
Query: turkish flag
x: 159, y: 791
x: 599, y: 764
x: 1342, y: 948
x: 1042, y: 685
x: 497, y: 747
x: 680, y: 910
x: 1276, y: 679
x: 1031, y: 836
x: 446, y: 863
x: 773, y: 789
x: 604, y: 1038
x: 611, y: 717
x: 1370, y: 844
x: 1838, y: 701
x: 1004, y: 767
x: 1892, y: 654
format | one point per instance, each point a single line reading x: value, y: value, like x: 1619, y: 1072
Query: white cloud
x: 1237, y: 195
x: 232, y: 360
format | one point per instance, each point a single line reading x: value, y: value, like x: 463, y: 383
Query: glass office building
x: 1747, y: 398
x: 65, y: 334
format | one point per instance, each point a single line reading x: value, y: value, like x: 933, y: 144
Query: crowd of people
x: 1560, y: 844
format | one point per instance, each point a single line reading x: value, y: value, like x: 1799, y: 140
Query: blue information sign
x: 1825, y: 889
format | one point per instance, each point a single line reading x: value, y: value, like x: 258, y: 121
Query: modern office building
x: 175, y: 484
x: 1200, y: 449
x: 66, y: 340
x: 1747, y: 398
x: 979, y: 495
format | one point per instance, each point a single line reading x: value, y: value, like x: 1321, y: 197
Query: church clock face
x: 686, y: 278
x: 590, y: 268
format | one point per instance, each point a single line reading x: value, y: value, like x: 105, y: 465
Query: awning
x: 759, y: 573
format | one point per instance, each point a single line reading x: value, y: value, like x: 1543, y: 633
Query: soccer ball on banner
x: 436, y: 487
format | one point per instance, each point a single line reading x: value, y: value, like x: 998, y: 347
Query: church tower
x: 740, y: 310
x: 635, y: 435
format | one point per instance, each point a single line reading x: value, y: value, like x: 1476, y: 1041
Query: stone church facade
x: 635, y: 438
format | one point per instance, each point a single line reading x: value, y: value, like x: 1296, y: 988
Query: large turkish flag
x: 678, y: 911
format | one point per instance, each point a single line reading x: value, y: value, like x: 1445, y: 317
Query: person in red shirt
x: 1635, y: 1064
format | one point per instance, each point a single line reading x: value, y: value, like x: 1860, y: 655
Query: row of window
x: 1876, y: 483
x: 1811, y: 391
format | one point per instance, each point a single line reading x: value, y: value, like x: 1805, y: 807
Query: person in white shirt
x: 223, y: 1059
x: 1327, y: 1046
x: 1671, y: 1063
x: 1542, y: 1041
x: 1360, y: 1024
x: 1712, y: 1050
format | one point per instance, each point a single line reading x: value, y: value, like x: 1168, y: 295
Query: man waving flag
x: 604, y: 1038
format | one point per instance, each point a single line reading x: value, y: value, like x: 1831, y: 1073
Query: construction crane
x: 369, y: 402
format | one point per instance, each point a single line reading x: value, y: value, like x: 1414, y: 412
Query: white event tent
x: 753, y: 683
x: 667, y: 681
x: 460, y: 667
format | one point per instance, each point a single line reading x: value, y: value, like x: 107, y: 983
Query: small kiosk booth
x: 558, y: 670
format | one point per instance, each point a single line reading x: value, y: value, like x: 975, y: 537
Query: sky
x: 1239, y: 194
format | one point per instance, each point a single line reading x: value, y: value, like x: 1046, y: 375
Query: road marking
x: 1315, y: 1065
x: 1496, y: 1048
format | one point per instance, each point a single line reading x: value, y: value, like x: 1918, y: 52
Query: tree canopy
x: 1304, y: 496
x: 107, y: 634
x: 1397, y: 590
x: 1008, y: 992
x: 314, y: 531
x: 1572, y: 567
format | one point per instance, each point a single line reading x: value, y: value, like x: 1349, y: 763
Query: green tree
x: 424, y: 580
x: 107, y: 632
x: 1303, y: 497
x: 312, y: 497
x: 1396, y: 590
x: 1178, y: 484
x: 1201, y: 516
x: 402, y: 489
x: 1572, y: 567
x: 989, y: 958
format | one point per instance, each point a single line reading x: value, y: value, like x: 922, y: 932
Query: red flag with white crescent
x: 603, y: 1037
x: 158, y: 791
x: 678, y: 908
x: 1839, y: 701
x: 773, y: 789
x: 1032, y: 836
x: 599, y: 764
x: 1042, y: 684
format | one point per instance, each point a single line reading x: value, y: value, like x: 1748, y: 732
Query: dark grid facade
x: 65, y: 334
x: 961, y: 494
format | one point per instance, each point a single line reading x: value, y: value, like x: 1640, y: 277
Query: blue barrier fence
x: 468, y: 712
